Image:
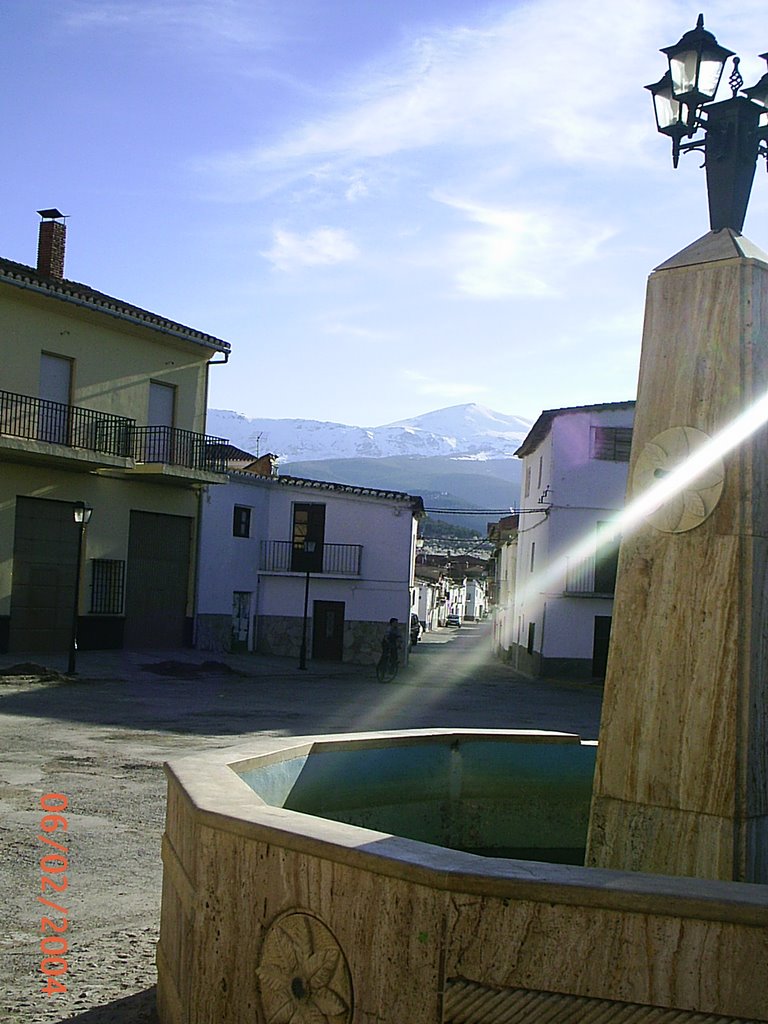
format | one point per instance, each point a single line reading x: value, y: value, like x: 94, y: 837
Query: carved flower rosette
x: 303, y: 974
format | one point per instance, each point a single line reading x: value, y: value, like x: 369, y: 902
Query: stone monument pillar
x: 681, y: 784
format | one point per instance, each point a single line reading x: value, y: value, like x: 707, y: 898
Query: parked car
x: 415, y: 628
x: 453, y: 620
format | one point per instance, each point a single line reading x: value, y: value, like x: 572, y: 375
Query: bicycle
x: 387, y: 666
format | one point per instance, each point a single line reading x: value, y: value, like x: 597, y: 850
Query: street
x: 101, y: 740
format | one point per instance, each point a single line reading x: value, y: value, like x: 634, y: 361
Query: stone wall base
x: 280, y: 635
x: 214, y: 633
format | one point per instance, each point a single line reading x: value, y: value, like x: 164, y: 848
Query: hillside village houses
x: 102, y: 411
x: 556, y: 620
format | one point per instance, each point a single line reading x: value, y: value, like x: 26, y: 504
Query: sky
x: 385, y: 206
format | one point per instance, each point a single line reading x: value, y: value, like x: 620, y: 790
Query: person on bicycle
x: 390, y: 644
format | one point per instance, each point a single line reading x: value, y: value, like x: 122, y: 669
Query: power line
x: 486, y: 511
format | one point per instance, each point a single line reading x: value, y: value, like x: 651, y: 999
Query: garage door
x: 159, y: 549
x: 44, y: 565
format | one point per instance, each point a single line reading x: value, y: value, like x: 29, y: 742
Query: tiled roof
x: 540, y: 428
x: 416, y: 502
x: 22, y: 276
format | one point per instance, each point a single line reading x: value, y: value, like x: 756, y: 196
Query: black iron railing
x: 338, y: 559
x: 179, y: 448
x: 36, y: 419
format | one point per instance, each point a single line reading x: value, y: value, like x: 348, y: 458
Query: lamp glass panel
x: 683, y: 69
x: 667, y: 109
x: 709, y: 74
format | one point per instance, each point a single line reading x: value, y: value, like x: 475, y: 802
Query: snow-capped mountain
x: 461, y: 432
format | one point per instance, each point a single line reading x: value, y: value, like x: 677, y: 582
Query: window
x: 531, y: 635
x: 307, y: 537
x: 241, y: 521
x: 527, y: 481
x: 533, y: 554
x: 611, y: 443
x: 107, y: 586
x: 541, y: 467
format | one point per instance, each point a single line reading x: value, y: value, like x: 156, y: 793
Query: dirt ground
x: 101, y: 742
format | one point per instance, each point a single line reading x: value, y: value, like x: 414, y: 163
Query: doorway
x: 328, y: 630
x: 602, y: 635
x: 159, y: 553
x: 241, y: 616
x: 44, y: 569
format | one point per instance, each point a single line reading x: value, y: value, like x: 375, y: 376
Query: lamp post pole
x: 303, y: 648
x: 82, y: 515
x: 310, y: 557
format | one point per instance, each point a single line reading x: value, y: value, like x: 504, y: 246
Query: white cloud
x: 323, y: 247
x: 200, y: 21
x: 517, y: 252
x: 540, y: 80
x: 447, y: 389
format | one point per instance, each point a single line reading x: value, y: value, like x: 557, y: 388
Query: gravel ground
x: 102, y: 743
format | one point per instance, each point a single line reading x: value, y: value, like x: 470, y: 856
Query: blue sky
x: 385, y: 206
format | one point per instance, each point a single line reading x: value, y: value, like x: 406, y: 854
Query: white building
x: 476, y: 600
x: 268, y: 543
x: 503, y: 536
x: 575, y: 465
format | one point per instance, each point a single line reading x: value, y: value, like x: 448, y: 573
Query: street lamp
x: 734, y: 130
x: 309, y: 552
x: 81, y: 514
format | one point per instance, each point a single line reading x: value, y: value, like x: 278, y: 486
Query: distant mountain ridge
x: 468, y: 431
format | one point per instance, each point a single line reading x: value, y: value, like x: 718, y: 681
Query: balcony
x: 173, y: 447
x: 591, y: 577
x: 68, y: 434
x: 53, y: 423
x: 338, y: 559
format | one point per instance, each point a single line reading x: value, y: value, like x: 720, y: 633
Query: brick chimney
x: 51, y: 243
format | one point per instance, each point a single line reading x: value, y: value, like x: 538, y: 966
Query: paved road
x: 101, y: 740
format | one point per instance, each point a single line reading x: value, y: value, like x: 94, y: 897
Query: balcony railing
x: 179, y: 448
x: 338, y: 559
x: 590, y: 577
x: 35, y: 419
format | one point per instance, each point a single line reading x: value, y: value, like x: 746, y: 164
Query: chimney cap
x: 52, y: 214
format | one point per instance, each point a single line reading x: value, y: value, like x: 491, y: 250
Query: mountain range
x: 461, y: 457
x: 461, y: 431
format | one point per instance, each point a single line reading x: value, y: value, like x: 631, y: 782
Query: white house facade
x: 477, y: 601
x: 575, y: 463
x: 503, y: 536
x: 287, y: 562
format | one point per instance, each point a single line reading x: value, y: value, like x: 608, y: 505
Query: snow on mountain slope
x: 461, y: 431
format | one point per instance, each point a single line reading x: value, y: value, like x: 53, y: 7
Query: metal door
x: 241, y: 616
x: 602, y: 635
x: 159, y: 549
x: 328, y: 630
x: 44, y: 567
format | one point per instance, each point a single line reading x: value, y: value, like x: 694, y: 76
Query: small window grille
x: 107, y: 587
x: 611, y: 443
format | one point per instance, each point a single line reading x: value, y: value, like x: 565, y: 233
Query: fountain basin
x: 311, y: 878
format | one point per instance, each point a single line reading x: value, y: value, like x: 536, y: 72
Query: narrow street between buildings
x: 101, y: 740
